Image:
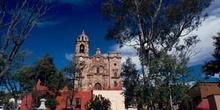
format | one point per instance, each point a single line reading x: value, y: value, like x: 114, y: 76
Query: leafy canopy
x: 98, y: 102
x: 131, y: 81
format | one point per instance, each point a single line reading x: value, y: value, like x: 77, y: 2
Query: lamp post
x: 171, y: 99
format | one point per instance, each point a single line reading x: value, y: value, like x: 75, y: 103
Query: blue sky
x: 57, y: 36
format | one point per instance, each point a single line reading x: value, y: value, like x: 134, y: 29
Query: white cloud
x: 69, y: 56
x: 127, y: 51
x: 47, y: 23
x: 217, y: 75
x: 214, y: 9
x: 205, y: 33
x: 215, y: 78
x: 191, y: 83
x: 208, y: 29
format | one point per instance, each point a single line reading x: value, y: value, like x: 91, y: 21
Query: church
x: 94, y: 75
x: 98, y: 72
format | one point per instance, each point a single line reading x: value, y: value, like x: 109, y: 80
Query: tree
x: 69, y: 71
x: 17, y: 20
x: 49, y: 75
x: 11, y: 80
x: 156, y: 27
x: 213, y: 66
x: 98, y: 102
x: 73, y: 68
x: 167, y: 87
x: 131, y: 80
x: 45, y: 71
x: 165, y: 83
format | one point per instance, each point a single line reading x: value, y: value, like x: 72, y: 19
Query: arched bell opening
x: 81, y: 48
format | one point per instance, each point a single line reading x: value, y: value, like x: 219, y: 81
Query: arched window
x: 78, y: 103
x: 82, y: 38
x: 97, y: 70
x: 115, y: 83
x: 98, y: 86
x: 81, y: 48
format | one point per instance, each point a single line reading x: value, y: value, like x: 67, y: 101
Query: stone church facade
x: 98, y: 71
x: 94, y: 75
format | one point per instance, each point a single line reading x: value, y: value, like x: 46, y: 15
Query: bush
x: 98, y: 102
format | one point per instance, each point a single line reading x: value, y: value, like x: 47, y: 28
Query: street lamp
x: 171, y: 99
x: 170, y: 94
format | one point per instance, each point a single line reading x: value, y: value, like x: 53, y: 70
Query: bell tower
x: 82, y: 45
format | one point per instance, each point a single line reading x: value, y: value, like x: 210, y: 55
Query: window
x: 81, y: 48
x: 115, y: 64
x: 115, y: 74
x: 115, y: 83
x: 82, y: 38
x: 97, y: 70
x: 78, y: 103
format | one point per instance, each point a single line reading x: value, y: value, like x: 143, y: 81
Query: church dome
x: 83, y: 37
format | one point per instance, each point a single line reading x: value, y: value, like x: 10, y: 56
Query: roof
x: 83, y: 37
x: 204, y: 89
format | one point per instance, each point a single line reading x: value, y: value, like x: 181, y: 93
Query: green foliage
x: 51, y: 102
x: 153, y: 22
x: 131, y: 81
x: 4, y: 97
x: 27, y: 78
x: 56, y: 81
x: 213, y: 66
x: 4, y: 100
x: 10, y: 81
x: 44, y: 68
x: 156, y: 27
x: 168, y: 77
x: 98, y: 102
x: 45, y: 71
x: 69, y: 71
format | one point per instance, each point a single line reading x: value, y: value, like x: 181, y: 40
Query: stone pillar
x: 42, y: 105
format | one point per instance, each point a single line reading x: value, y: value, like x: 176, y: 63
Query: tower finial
x: 83, y: 31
